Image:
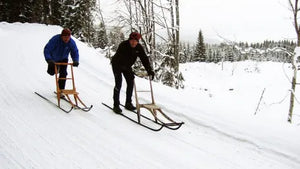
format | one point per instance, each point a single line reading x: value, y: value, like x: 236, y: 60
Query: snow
x: 217, y: 106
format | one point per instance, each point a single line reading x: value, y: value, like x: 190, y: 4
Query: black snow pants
x: 129, y: 77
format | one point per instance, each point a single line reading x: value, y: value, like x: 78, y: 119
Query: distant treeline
x: 266, y: 51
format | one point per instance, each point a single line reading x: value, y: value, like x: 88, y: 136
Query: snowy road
x: 35, y: 134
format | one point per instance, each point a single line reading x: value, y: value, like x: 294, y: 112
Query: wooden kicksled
x: 154, y: 109
x: 69, y: 92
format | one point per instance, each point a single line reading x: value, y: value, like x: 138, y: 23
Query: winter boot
x: 62, y: 96
x: 117, y: 109
x: 129, y: 106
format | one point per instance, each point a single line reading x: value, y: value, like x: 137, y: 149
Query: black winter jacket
x: 126, y: 56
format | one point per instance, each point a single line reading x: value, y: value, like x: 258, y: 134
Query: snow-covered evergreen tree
x: 80, y: 19
x: 100, y: 38
x: 13, y: 10
x: 200, y: 52
x: 115, y: 37
x: 56, y: 11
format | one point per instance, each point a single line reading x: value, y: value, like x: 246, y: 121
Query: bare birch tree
x: 157, y: 19
x: 294, y: 8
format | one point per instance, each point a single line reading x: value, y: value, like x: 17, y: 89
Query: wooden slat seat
x: 69, y: 92
x: 150, y: 106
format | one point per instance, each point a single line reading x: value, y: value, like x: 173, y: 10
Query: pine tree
x: 45, y: 12
x: 229, y: 54
x: 100, y: 39
x: 24, y: 11
x: 3, y: 6
x: 56, y: 11
x: 12, y: 10
x: 116, y: 36
x: 200, y: 51
x: 188, y: 52
x: 35, y: 14
x: 78, y: 16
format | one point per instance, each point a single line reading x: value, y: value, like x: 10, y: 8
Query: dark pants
x: 129, y: 77
x: 62, y: 70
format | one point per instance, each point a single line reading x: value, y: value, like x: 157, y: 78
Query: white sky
x: 239, y: 20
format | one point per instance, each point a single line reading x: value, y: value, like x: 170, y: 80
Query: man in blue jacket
x: 57, y: 50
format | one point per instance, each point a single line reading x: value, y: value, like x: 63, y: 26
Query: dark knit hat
x: 66, y: 32
x: 135, y: 36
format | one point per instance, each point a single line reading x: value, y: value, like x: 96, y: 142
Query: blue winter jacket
x: 57, y: 50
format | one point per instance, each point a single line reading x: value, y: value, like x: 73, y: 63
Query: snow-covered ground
x: 217, y: 106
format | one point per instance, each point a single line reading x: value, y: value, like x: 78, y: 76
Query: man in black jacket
x: 125, y: 57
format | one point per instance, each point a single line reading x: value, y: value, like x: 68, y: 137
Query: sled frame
x: 68, y: 92
x: 152, y: 107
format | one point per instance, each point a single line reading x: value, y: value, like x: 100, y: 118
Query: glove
x: 151, y: 74
x: 75, y: 64
x: 51, y: 67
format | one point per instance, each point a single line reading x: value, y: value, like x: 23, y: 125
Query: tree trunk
x: 292, y: 97
x: 294, y: 81
x: 153, y: 45
x: 176, y: 50
x: 130, y: 15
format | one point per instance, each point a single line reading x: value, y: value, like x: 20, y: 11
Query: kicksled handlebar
x: 143, y: 74
x: 58, y: 63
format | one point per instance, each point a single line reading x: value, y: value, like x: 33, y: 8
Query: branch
x: 292, y: 6
x: 166, y: 23
x: 160, y: 6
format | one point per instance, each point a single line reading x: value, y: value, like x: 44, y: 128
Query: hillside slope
x: 35, y: 134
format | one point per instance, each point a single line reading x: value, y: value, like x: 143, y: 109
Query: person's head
x: 134, y: 38
x: 66, y: 35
